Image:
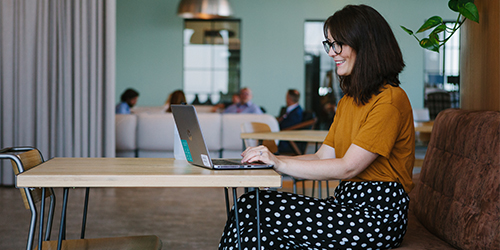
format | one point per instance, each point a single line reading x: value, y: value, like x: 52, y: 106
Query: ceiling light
x: 204, y: 9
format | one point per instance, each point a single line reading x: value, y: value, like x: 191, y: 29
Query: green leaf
x: 410, y: 32
x: 430, y: 23
x: 439, y: 29
x: 453, y: 5
x: 430, y: 44
x: 470, y: 12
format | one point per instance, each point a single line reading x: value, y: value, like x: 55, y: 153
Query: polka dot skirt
x: 363, y: 215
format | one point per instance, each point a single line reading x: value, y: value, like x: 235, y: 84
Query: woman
x: 176, y: 97
x: 370, y: 147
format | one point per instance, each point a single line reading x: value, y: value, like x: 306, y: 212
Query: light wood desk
x: 424, y: 127
x: 288, y: 135
x: 140, y: 172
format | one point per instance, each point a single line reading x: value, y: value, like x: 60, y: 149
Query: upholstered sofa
x: 150, y: 133
x: 456, y: 201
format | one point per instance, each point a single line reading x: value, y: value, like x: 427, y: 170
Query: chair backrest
x: 309, y: 120
x: 23, y: 159
x: 437, y: 102
x: 249, y: 127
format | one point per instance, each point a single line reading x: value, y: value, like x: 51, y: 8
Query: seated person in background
x: 235, y: 99
x: 176, y: 97
x: 290, y: 115
x: 245, y: 105
x: 128, y: 100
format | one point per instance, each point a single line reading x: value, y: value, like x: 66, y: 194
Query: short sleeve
x: 379, y: 131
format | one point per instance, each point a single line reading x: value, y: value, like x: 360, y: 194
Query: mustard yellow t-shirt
x: 383, y: 126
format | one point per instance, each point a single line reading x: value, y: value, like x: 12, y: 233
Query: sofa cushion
x: 125, y: 132
x: 155, y: 132
x: 457, y: 196
x: 210, y: 124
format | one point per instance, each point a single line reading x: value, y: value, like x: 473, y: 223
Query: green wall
x: 149, y: 45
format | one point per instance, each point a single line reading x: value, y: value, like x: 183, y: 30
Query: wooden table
x: 140, y: 172
x: 424, y: 127
x: 288, y: 135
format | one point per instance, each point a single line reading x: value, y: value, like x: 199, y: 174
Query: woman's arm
x: 319, y: 166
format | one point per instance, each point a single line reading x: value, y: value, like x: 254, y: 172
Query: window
x: 442, y: 70
x: 321, y: 81
x: 211, y: 60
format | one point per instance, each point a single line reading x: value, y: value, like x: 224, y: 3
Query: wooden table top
x: 425, y: 127
x: 139, y: 172
x: 288, y: 135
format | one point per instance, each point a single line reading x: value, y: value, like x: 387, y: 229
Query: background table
x: 288, y: 135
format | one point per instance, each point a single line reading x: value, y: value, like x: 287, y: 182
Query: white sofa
x: 151, y: 134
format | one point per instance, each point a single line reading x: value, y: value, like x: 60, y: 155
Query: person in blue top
x: 290, y: 115
x: 245, y: 106
x: 128, y: 100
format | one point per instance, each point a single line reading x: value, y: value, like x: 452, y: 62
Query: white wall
x: 149, y: 44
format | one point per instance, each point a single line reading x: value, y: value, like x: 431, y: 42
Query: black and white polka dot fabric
x: 363, y: 215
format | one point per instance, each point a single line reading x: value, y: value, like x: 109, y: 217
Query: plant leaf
x: 430, y: 44
x: 410, y: 32
x: 470, y: 12
x: 453, y: 5
x: 430, y: 23
x: 439, y: 29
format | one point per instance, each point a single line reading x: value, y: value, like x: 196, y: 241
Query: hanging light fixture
x: 204, y: 9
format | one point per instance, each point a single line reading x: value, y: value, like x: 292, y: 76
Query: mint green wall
x: 149, y: 44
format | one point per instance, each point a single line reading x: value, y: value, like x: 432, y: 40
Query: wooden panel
x: 480, y: 59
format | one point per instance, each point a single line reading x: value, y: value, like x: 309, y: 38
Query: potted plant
x: 466, y: 10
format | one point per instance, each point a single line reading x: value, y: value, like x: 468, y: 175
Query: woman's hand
x: 259, y: 154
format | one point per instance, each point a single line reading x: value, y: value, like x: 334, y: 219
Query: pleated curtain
x: 57, y: 78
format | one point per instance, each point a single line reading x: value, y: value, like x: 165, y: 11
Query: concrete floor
x: 183, y: 218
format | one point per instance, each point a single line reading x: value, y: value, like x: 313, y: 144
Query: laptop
x: 194, y: 145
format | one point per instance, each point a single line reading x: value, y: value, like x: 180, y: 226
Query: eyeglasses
x: 337, y: 47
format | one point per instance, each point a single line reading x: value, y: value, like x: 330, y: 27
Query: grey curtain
x: 57, y: 78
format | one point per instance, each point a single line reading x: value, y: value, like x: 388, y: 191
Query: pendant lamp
x: 204, y: 9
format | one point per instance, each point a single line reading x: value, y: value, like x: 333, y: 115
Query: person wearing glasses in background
x: 370, y: 147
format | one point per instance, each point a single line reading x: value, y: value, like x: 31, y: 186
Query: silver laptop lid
x: 194, y: 146
x: 191, y: 136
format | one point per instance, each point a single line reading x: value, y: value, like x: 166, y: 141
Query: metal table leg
x: 62, y: 227
x: 236, y: 217
x: 235, y: 199
x: 42, y: 213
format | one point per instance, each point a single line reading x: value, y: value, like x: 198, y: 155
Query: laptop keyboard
x: 226, y: 162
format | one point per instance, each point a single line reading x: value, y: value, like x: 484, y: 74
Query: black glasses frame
x: 328, y: 45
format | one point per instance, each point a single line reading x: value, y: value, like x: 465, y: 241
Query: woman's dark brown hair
x: 176, y: 97
x: 378, y: 56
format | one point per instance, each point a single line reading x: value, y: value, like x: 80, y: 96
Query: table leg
x: 42, y: 213
x: 85, y: 209
x: 236, y: 217
x: 228, y: 211
x: 62, y: 227
x: 258, y: 217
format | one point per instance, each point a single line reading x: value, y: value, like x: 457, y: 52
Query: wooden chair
x: 250, y: 127
x: 25, y: 158
x: 308, y: 122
